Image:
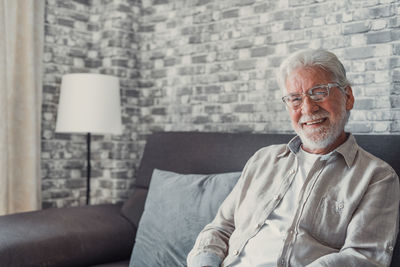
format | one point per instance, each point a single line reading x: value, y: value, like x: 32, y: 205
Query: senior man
x: 320, y: 200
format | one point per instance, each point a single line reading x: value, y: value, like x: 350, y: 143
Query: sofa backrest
x: 205, y: 153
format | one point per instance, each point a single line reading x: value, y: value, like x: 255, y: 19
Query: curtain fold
x: 21, y: 71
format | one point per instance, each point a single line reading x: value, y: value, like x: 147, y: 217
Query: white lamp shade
x: 89, y: 103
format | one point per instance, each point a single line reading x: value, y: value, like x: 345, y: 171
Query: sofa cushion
x: 78, y: 236
x: 177, y: 208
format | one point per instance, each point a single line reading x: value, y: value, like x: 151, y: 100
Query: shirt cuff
x: 205, y: 259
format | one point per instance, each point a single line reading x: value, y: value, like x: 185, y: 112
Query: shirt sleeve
x: 205, y: 259
x: 212, y: 244
x: 373, y: 229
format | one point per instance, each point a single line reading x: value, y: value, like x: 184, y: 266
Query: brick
x: 83, y: 17
x: 212, y: 89
x: 381, y: 12
x: 160, y: 2
x: 395, y: 101
x: 119, y: 63
x: 184, y: 91
x: 364, y: 104
x: 395, y: 34
x: 242, y: 128
x: 158, y: 111
x: 203, y: 2
x: 156, y: 74
x: 228, y: 98
x: 244, y: 108
x: 83, y: 2
x: 157, y: 55
x: 194, y: 39
x: 60, y: 194
x: 378, y: 25
x: 377, y: 64
x: 357, y: 27
x: 119, y: 174
x: 357, y: 127
x: 201, y: 119
x: 359, y: 53
x: 378, y: 115
x: 77, y: 53
x: 199, y: 59
x: 203, y: 18
x: 245, y: 2
x: 395, y: 126
x: 379, y: 37
x: 244, y: 65
x: 294, y: 3
x: 65, y: 22
x: 169, y: 62
x: 262, y: 51
x: 381, y: 127
x: 227, y: 77
x: 234, y: 13
x: 265, y: 7
x: 394, y: 22
x: 229, y: 118
x: 75, y: 183
x: 212, y: 109
x: 146, y: 28
x: 396, y: 76
x: 245, y: 43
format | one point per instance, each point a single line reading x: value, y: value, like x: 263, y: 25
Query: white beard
x: 323, y: 136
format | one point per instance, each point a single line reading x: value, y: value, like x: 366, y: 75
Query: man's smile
x: 314, y: 122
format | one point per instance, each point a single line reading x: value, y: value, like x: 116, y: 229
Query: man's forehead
x: 308, y: 77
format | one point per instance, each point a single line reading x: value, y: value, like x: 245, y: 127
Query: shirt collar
x: 348, y: 149
x: 293, y: 146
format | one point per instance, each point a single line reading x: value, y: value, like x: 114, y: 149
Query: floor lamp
x: 89, y: 104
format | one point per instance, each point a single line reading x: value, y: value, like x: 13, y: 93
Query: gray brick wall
x: 225, y: 54
x: 205, y: 65
x: 99, y: 37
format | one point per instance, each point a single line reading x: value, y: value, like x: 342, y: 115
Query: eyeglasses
x: 317, y: 94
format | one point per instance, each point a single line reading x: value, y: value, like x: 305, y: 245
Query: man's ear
x: 349, y: 98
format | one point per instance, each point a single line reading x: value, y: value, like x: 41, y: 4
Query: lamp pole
x: 88, y: 137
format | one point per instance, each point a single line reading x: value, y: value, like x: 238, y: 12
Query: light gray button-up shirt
x: 347, y: 213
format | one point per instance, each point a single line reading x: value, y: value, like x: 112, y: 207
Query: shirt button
x: 276, y: 197
x: 282, y: 262
x: 235, y: 252
x: 390, y: 248
x: 258, y: 225
x: 292, y: 171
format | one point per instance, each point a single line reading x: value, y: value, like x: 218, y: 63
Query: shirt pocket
x: 330, y: 221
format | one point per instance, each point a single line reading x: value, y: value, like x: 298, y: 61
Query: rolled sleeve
x: 204, y: 259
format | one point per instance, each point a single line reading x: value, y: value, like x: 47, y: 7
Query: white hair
x: 320, y: 58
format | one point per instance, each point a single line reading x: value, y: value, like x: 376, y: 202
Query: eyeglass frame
x: 327, y: 86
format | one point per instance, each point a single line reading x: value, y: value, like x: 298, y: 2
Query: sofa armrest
x: 79, y: 236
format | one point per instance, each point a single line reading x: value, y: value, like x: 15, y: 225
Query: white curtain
x: 21, y: 46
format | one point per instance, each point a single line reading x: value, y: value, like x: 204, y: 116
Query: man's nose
x: 308, y: 106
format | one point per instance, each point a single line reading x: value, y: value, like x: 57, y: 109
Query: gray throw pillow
x: 177, y: 208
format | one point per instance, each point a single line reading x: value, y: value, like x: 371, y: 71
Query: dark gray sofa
x: 103, y: 235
